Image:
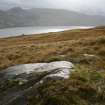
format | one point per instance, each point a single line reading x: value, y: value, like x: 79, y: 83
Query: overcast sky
x: 90, y: 6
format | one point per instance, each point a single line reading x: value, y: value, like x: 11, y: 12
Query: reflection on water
x: 36, y: 30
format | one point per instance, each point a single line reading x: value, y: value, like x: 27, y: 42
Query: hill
x: 18, y: 17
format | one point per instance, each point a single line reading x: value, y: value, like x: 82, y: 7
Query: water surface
x: 17, y: 31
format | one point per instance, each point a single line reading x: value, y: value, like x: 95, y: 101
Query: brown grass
x: 67, y: 45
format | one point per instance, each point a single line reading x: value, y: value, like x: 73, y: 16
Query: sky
x: 87, y: 6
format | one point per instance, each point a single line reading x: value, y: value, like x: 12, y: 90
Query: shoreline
x: 45, y: 30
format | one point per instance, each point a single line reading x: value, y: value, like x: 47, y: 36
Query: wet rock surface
x: 18, y: 81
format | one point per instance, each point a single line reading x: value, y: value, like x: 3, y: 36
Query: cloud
x: 89, y: 6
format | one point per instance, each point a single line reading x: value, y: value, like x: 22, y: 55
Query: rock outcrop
x: 63, y: 68
x: 19, y: 80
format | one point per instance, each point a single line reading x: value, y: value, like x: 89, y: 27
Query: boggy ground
x: 80, y: 46
x: 84, y: 48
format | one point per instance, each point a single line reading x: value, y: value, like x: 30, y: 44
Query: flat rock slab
x: 22, y: 78
x: 64, y: 68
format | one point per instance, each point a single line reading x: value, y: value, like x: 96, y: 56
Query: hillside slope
x: 78, y: 46
x: 85, y: 48
x: 18, y: 17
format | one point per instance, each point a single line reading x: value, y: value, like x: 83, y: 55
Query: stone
x: 63, y: 68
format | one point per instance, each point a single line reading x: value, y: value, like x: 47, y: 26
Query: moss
x: 8, y: 84
x: 55, y: 58
x: 84, y: 87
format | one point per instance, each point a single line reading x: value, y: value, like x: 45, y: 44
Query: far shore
x: 22, y: 31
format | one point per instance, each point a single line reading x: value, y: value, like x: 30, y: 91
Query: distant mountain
x: 18, y: 17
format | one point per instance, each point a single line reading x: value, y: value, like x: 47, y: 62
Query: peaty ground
x: 80, y: 46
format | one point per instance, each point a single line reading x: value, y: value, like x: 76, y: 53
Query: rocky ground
x: 17, y: 81
x: 81, y: 86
